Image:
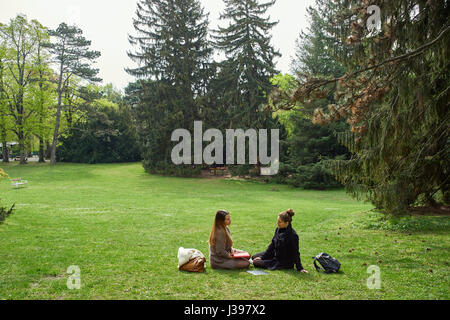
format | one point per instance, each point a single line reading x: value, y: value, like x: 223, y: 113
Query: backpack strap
x: 317, y: 267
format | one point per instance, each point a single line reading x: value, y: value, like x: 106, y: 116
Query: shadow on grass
x: 406, y: 224
x: 236, y: 274
x: 310, y: 276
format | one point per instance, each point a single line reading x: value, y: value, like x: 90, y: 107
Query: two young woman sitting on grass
x: 282, y: 253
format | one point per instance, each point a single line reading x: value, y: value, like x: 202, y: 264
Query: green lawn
x: 123, y: 228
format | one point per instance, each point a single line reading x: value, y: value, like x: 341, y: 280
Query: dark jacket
x: 283, y: 252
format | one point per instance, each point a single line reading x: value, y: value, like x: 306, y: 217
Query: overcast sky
x: 108, y: 22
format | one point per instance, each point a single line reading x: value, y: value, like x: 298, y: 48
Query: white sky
x: 108, y: 22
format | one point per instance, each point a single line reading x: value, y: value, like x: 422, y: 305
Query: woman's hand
x: 231, y: 255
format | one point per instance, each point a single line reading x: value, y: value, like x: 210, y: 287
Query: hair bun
x: 290, y: 212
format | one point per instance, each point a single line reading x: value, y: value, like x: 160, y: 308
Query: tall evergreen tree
x: 315, y: 48
x: 249, y: 63
x: 174, y: 68
x: 395, y: 98
x: 73, y: 58
x: 309, y: 144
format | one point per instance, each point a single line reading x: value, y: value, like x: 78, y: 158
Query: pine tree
x: 147, y: 55
x: 174, y: 70
x: 309, y: 145
x: 73, y: 58
x: 249, y: 63
x: 315, y: 48
x: 395, y: 98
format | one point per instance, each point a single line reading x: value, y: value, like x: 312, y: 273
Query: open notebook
x: 239, y: 255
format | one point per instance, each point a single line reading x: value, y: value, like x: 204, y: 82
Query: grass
x: 123, y: 228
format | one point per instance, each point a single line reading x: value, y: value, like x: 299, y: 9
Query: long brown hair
x: 219, y: 223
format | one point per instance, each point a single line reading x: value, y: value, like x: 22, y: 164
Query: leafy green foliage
x: 104, y: 134
x: 4, y: 213
x: 73, y: 57
x: 19, y: 57
x: 3, y: 174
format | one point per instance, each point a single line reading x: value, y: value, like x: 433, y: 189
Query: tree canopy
x: 395, y: 97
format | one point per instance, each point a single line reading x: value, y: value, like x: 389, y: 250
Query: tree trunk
x: 20, y: 132
x: 48, y: 150
x: 5, y: 152
x: 58, y: 118
x: 56, y: 134
x: 22, y: 148
x: 41, y: 150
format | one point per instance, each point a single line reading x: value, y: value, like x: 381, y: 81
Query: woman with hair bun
x: 283, y: 252
x: 221, y: 252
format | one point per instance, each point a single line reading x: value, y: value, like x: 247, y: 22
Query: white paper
x: 257, y: 272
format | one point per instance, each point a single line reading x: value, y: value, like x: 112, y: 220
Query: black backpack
x: 328, y: 263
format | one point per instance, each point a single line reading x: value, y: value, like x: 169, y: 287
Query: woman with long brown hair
x: 221, y: 250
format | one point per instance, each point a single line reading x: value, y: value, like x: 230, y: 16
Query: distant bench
x: 18, y: 182
x: 18, y: 159
x: 214, y: 170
